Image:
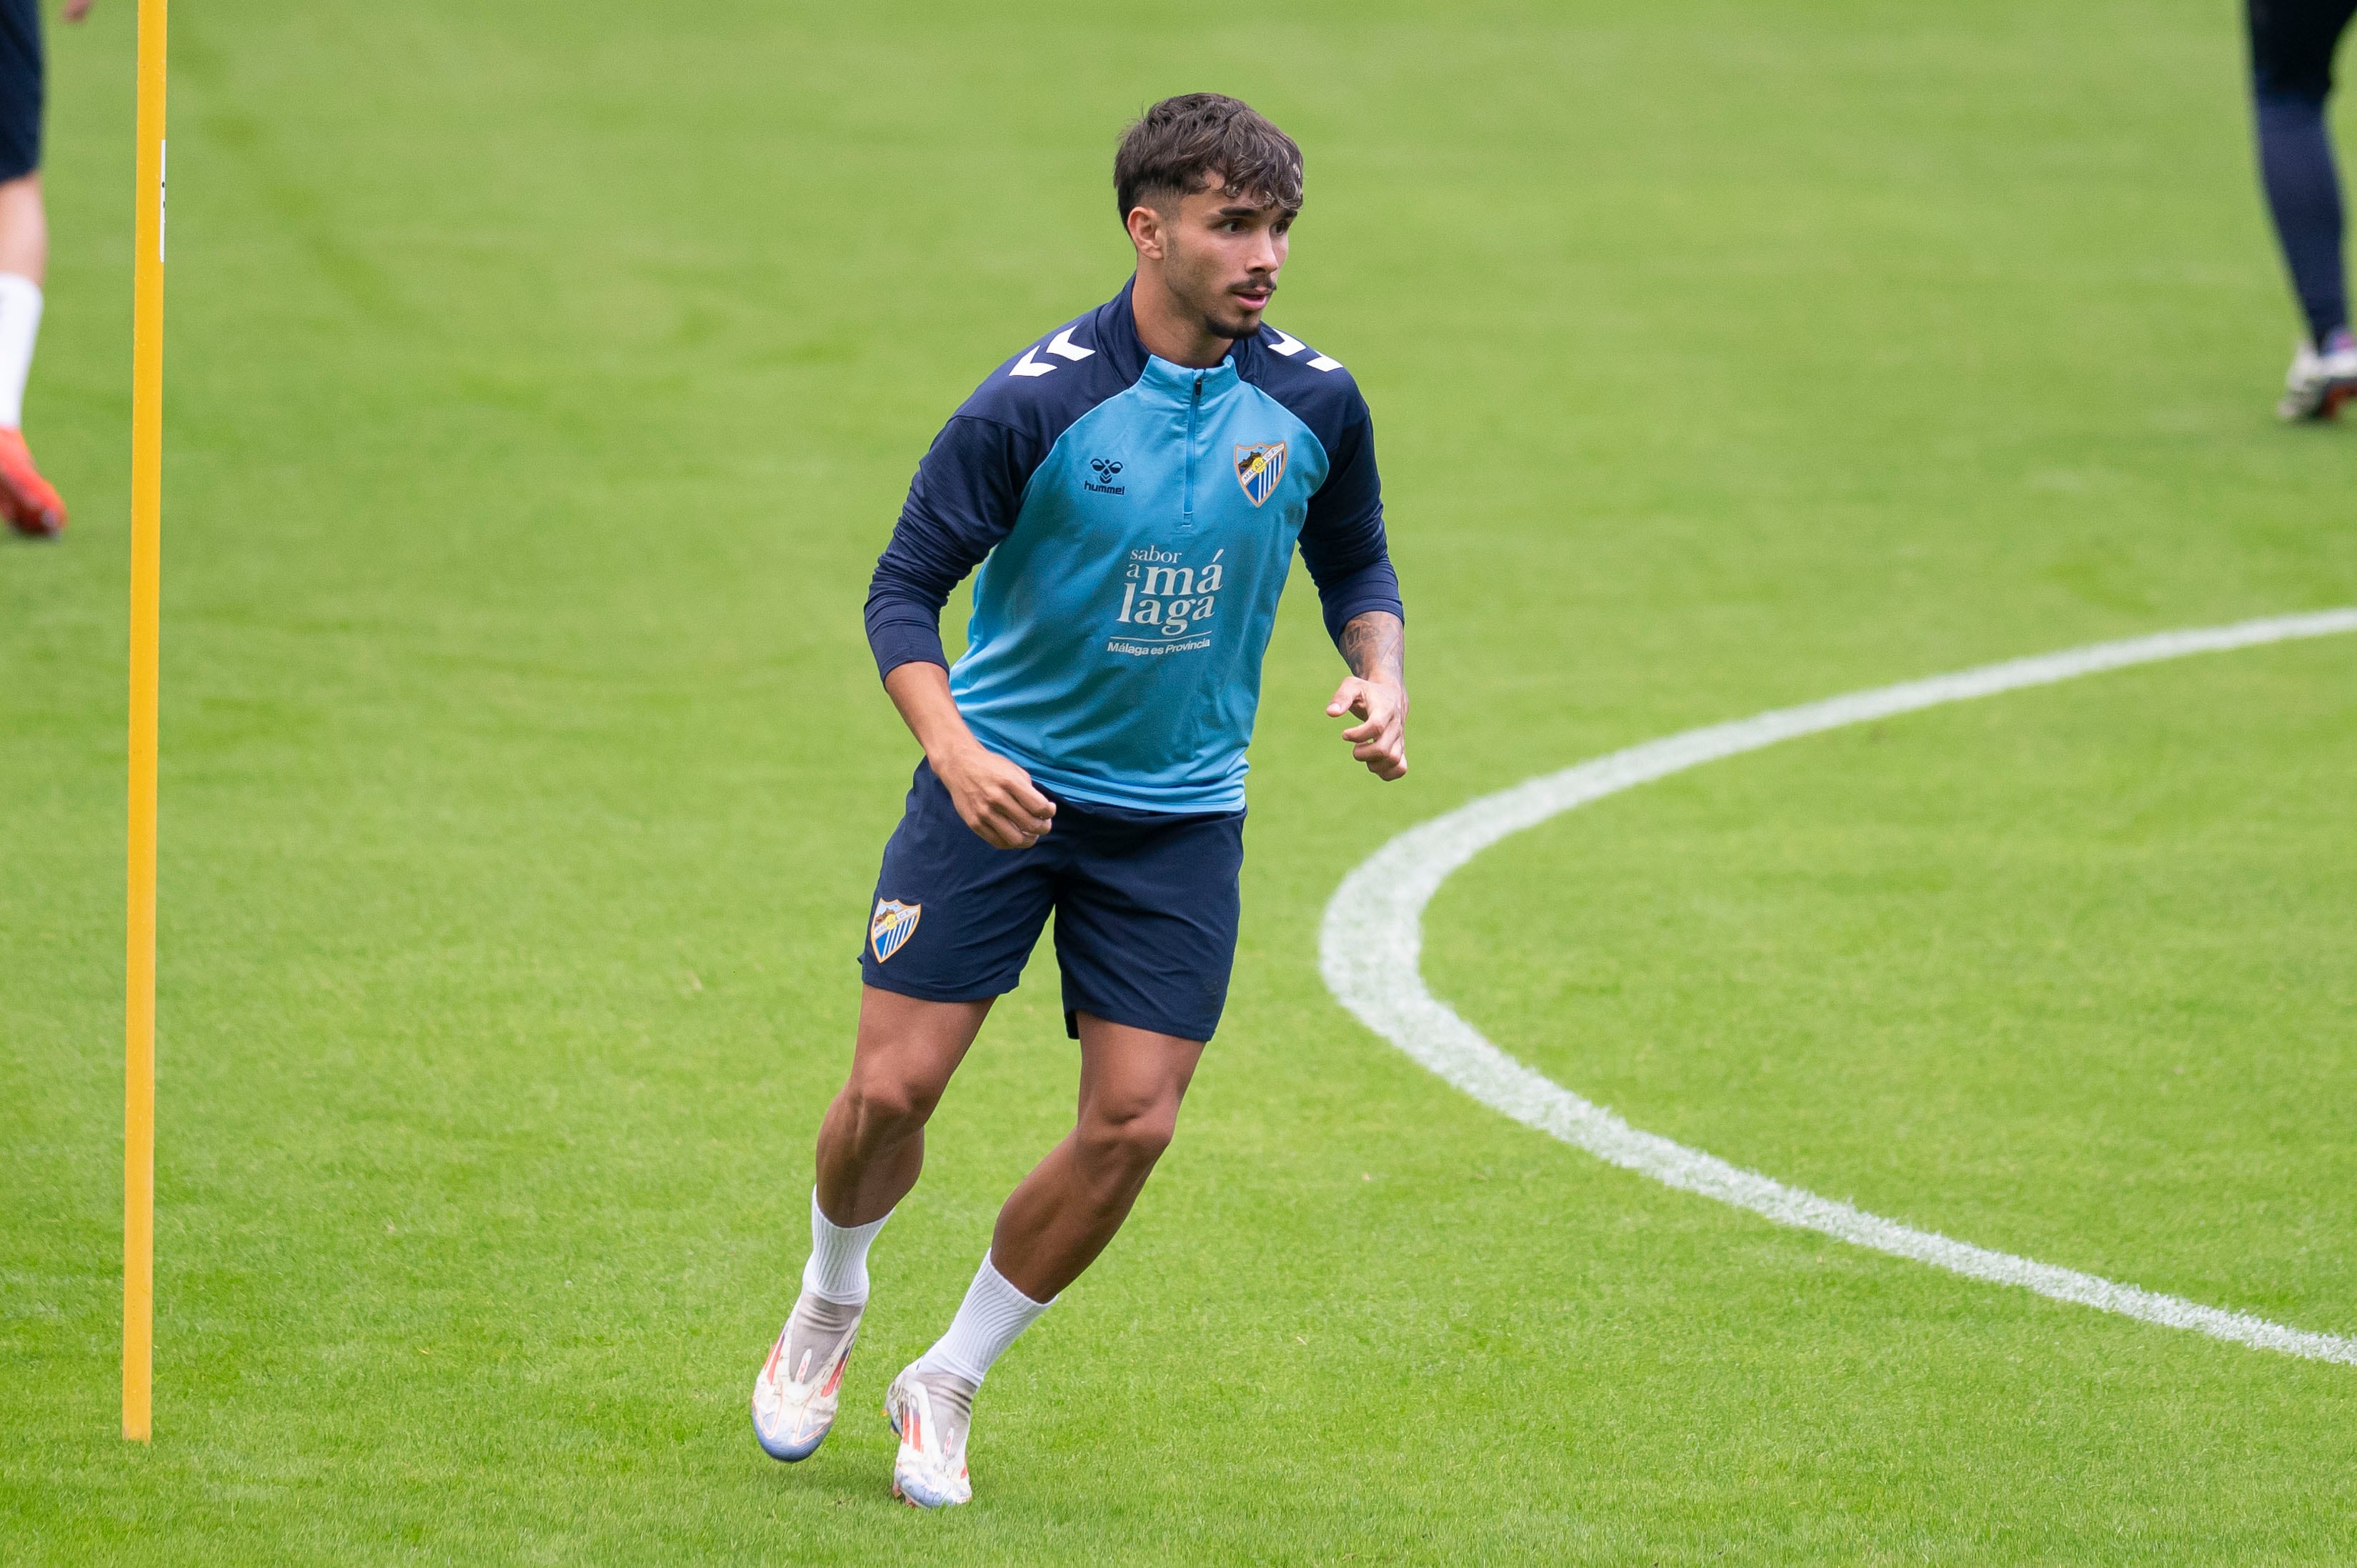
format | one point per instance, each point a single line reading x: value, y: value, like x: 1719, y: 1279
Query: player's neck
x: 1168, y: 329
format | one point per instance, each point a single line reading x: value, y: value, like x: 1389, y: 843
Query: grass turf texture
x: 544, y: 380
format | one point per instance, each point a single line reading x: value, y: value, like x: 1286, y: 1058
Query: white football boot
x: 931, y: 1414
x: 2320, y: 382
x: 800, y: 1385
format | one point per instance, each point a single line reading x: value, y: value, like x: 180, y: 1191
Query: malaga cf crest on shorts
x: 889, y: 933
x: 1258, y: 468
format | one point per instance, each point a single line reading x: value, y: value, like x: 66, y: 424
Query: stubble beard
x: 1220, y: 315
x: 1222, y: 318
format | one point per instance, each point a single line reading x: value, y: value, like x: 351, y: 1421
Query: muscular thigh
x: 907, y: 1047
x: 1127, y: 1072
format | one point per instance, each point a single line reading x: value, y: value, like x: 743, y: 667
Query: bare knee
x: 885, y: 1106
x: 1126, y: 1139
x: 24, y: 228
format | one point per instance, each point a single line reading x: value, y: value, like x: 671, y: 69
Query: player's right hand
x: 996, y: 799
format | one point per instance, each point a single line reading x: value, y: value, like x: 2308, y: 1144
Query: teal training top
x: 1135, y: 521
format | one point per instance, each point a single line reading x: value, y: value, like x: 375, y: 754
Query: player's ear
x: 1145, y: 231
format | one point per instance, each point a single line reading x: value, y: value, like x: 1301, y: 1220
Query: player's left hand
x: 1379, y: 742
x: 75, y: 10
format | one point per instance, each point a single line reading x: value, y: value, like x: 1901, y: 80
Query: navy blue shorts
x: 1145, y: 905
x: 2292, y: 42
x: 20, y: 87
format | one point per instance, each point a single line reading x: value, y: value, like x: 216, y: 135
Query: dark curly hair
x: 1175, y: 148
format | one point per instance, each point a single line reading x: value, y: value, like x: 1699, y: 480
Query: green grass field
x: 544, y: 380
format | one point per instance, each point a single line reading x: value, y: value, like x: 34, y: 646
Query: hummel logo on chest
x: 1060, y: 345
x: 1106, y: 472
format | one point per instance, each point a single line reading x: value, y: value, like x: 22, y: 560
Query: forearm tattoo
x: 1375, y: 643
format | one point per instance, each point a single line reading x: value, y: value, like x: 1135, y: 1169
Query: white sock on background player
x: 987, y: 1321
x: 20, y: 324
x: 837, y: 1270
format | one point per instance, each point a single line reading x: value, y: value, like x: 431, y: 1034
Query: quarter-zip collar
x: 1116, y: 334
x: 1184, y: 383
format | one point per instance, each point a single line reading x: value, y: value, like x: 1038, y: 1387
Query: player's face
x: 1221, y: 258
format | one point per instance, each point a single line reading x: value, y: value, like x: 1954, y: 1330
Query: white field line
x: 1372, y: 941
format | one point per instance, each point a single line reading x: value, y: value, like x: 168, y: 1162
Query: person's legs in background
x: 2292, y: 45
x: 29, y: 501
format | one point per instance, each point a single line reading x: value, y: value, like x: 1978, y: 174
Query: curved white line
x: 1372, y: 941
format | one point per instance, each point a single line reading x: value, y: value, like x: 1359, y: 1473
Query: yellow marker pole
x: 146, y: 595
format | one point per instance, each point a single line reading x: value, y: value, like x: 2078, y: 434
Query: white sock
x: 987, y: 1321
x: 837, y: 1270
x: 20, y: 323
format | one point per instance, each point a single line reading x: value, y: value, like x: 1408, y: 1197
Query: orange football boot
x: 31, y: 502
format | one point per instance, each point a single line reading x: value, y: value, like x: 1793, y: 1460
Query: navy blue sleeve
x: 962, y: 503
x: 1342, y: 536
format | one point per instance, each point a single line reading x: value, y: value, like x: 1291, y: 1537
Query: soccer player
x: 1132, y: 486
x: 30, y: 500
x: 2292, y: 44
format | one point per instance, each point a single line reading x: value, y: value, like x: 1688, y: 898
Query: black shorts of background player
x: 2292, y: 45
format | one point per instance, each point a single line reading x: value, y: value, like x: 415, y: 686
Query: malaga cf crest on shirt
x: 1258, y: 468
x: 889, y: 933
